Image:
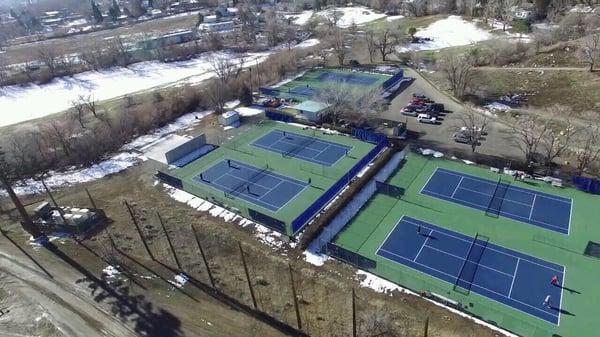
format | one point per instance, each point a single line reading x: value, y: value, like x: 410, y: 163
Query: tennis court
x: 256, y: 185
x: 348, y: 78
x: 515, y: 279
x: 307, y: 148
x: 500, y: 198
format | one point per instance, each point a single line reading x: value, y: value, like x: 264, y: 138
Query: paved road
x: 498, y: 142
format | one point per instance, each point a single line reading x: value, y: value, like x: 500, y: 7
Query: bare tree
x: 337, y: 39
x: 216, y: 93
x: 527, y: 132
x: 48, y: 55
x: 78, y: 112
x: 559, y: 136
x: 458, y: 71
x: 590, y: 50
x: 385, y: 39
x: 473, y: 126
x: 4, y: 72
x: 347, y: 102
x: 59, y: 134
x: 588, y: 148
x: 371, y: 44
x: 225, y: 69
x: 333, y: 18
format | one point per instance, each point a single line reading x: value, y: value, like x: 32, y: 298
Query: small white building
x: 229, y: 118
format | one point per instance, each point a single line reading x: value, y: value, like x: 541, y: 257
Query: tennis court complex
x: 291, y: 144
x: 474, y: 264
x: 500, y: 198
x: 488, y: 244
x: 274, y: 173
x: 310, y: 84
x: 256, y: 185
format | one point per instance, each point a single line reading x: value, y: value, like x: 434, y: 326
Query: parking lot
x: 497, y: 142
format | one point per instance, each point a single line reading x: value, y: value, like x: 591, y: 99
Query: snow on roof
x: 311, y: 106
x: 307, y: 43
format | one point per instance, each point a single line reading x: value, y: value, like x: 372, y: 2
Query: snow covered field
x: 358, y: 15
x: 22, y: 103
x: 449, y: 32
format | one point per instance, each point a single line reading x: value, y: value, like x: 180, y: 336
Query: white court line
x: 532, y: 206
x: 476, y: 206
x: 457, y: 186
x: 474, y: 285
x: 514, y: 277
x: 492, y: 195
x: 423, y: 245
x: 486, y: 247
x: 427, y: 182
x: 562, y: 295
x: 516, y: 188
x: 467, y: 261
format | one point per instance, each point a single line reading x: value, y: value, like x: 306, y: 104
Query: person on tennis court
x: 419, y: 230
x: 547, y: 301
x: 554, y: 281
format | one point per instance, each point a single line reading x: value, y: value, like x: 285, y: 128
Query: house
x: 222, y: 26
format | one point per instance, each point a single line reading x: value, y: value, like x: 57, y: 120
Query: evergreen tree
x: 246, y: 96
x: 151, y: 3
x: 96, y: 13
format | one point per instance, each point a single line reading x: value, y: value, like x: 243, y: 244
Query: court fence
x: 349, y: 256
x: 278, y: 116
x: 393, y: 80
x: 325, y: 198
x: 588, y: 185
x: 266, y: 220
x: 169, y: 180
x: 368, y: 136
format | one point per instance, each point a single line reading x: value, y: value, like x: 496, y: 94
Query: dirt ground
x: 72, y: 298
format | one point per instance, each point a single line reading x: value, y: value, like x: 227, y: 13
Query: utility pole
x: 5, y: 181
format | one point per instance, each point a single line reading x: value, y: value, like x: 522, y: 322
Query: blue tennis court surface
x: 307, y: 148
x: 536, y: 208
x: 500, y: 274
x: 348, y: 78
x: 255, y: 185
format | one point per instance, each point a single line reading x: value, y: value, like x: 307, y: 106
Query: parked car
x: 460, y: 137
x: 426, y: 118
x: 437, y: 107
x: 409, y: 112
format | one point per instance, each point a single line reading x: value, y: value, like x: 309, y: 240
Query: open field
x: 372, y: 226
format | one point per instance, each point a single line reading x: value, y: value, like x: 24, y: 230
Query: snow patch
x: 20, y: 103
x: 450, y: 32
x: 314, y: 258
x: 352, y: 15
x: 300, y: 19
x: 110, y: 272
x: 249, y: 111
x: 308, y: 43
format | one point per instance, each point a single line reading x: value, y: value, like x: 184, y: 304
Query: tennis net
x: 494, y: 207
x: 296, y: 149
x: 465, y: 276
x: 232, y: 193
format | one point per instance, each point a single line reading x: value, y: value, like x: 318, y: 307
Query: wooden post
x: 426, y: 328
x: 248, y: 276
x: 139, y: 230
x: 212, y: 280
x: 296, y: 306
x: 91, y: 199
x: 162, y: 224
x: 353, y: 313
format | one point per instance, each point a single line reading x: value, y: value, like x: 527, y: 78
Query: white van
x: 425, y: 118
